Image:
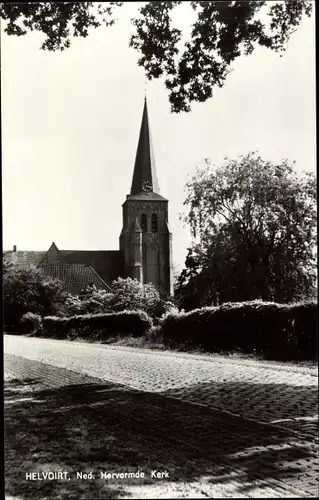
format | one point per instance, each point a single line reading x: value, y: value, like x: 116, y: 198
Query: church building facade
x: 145, y: 246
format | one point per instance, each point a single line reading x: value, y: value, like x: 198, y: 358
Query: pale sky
x: 70, y: 125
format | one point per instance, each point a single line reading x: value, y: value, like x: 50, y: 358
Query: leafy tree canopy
x: 126, y: 294
x: 130, y: 294
x: 222, y: 31
x: 27, y: 289
x: 254, y: 225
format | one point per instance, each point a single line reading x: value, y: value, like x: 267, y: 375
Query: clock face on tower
x: 146, y: 187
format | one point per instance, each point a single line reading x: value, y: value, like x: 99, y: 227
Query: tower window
x: 144, y: 223
x: 154, y: 223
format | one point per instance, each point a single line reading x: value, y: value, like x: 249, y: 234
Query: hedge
x: 134, y: 323
x: 277, y: 331
x: 30, y: 323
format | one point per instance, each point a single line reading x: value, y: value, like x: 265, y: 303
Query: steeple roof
x: 144, y: 176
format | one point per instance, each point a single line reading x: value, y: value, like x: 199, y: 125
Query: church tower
x: 145, y: 239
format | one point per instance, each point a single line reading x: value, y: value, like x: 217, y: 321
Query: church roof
x: 144, y: 175
x: 29, y: 257
x: 75, y: 277
x: 108, y: 264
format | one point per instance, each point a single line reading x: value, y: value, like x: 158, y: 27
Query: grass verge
x: 153, y: 340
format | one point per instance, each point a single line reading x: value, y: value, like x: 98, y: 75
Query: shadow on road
x: 293, y: 406
x: 98, y: 426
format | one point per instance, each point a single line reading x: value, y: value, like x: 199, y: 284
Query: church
x: 145, y: 243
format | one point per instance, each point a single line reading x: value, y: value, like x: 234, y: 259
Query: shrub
x: 154, y: 335
x: 30, y: 323
x: 54, y: 326
x: 71, y: 306
x: 134, y: 323
x: 130, y: 294
x: 277, y: 331
x: 99, y: 302
x: 305, y: 329
x: 92, y: 301
x: 169, y: 308
x: 127, y: 294
x: 191, y: 328
x: 28, y: 290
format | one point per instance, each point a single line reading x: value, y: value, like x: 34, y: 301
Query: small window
x: 144, y: 223
x: 154, y: 223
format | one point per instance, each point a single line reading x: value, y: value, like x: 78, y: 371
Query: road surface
x: 240, y: 428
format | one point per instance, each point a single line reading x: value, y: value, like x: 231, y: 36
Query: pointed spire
x: 144, y: 176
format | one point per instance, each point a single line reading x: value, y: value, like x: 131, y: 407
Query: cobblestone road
x: 235, y: 457
x: 286, y: 397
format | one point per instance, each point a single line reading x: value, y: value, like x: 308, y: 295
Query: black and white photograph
x: 159, y: 260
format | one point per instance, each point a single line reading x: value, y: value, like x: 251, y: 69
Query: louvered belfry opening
x: 154, y: 223
x: 144, y: 222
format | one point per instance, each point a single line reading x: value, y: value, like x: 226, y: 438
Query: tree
x: 254, y: 225
x: 222, y: 31
x: 28, y: 290
x: 130, y: 294
x: 91, y: 301
x: 126, y: 294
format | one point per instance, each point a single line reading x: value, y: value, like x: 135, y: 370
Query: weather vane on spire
x: 145, y: 86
